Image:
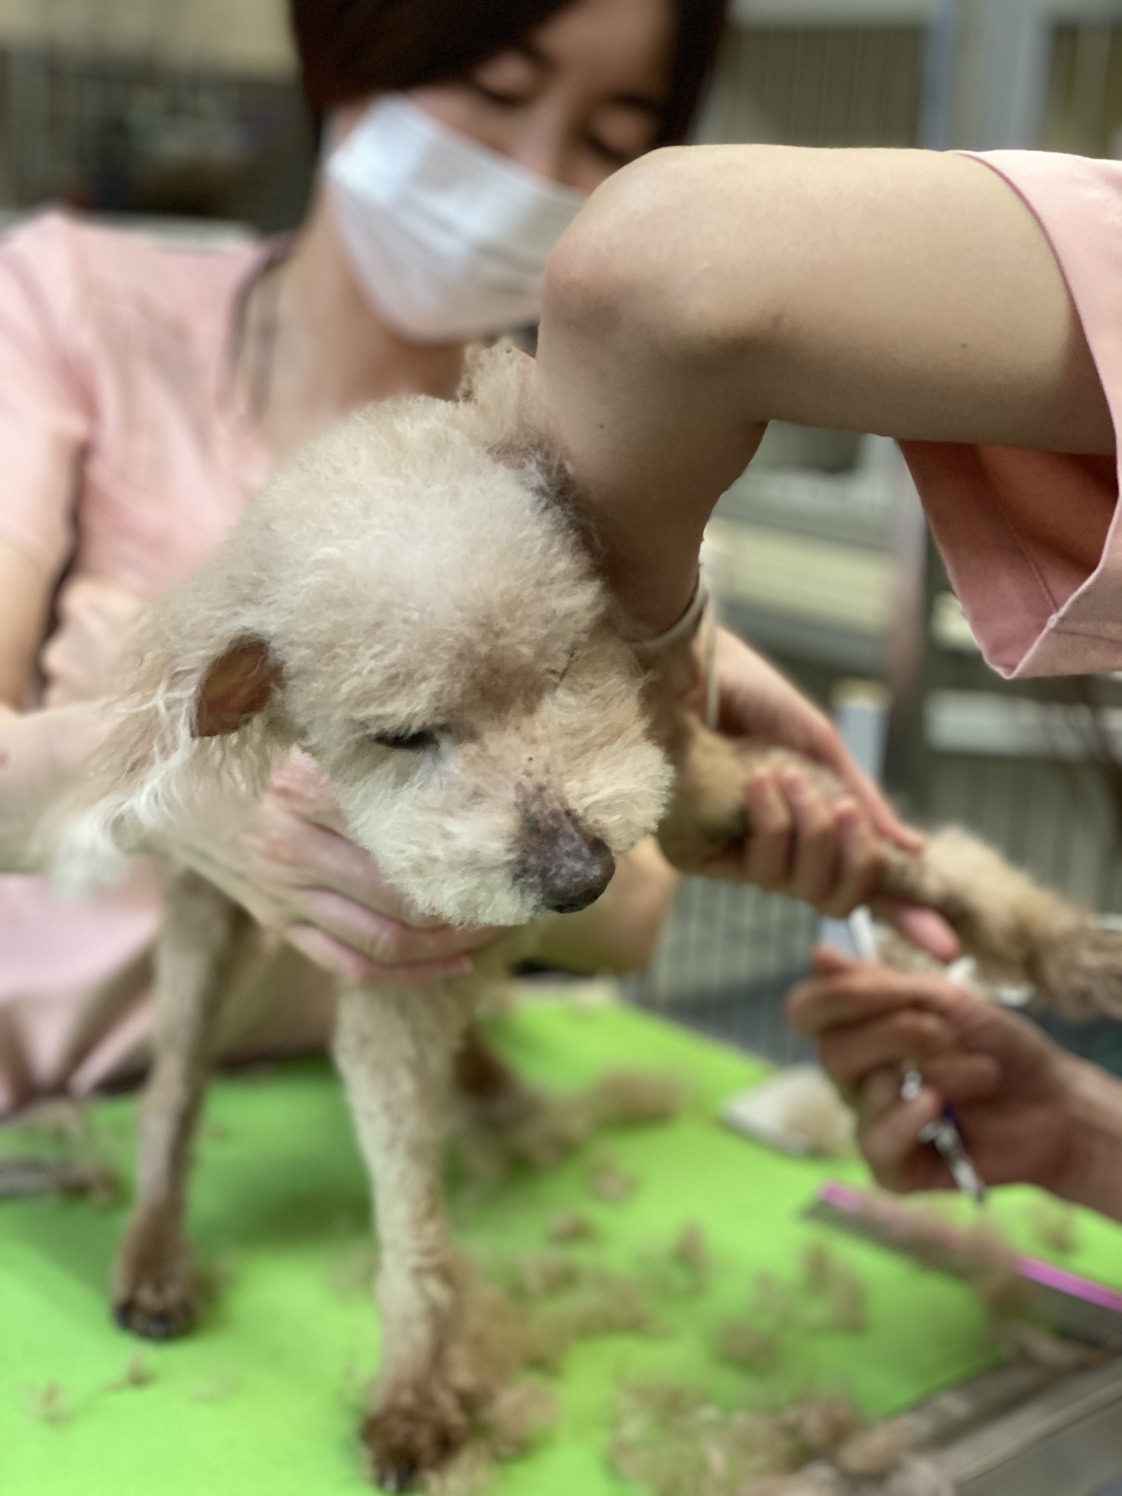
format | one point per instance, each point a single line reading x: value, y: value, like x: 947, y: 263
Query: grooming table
x: 263, y: 1398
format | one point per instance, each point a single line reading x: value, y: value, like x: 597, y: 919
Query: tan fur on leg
x: 396, y: 1054
x: 201, y: 941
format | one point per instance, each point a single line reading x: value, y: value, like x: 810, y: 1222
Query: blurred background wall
x: 188, y: 110
x: 184, y: 108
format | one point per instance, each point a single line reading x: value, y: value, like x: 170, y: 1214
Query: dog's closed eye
x: 411, y: 742
x: 558, y: 674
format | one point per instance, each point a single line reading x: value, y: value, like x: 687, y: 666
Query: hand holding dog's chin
x: 283, y: 861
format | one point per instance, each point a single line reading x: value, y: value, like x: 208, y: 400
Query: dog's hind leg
x: 200, y: 939
x: 396, y: 1052
x: 487, y: 1085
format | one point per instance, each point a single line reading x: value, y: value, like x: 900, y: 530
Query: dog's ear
x: 233, y: 688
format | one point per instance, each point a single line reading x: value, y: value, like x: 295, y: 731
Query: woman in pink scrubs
x: 145, y: 394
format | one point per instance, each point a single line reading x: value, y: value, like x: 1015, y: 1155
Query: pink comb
x: 1066, y: 1302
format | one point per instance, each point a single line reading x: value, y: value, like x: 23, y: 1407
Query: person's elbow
x: 624, y: 266
x: 654, y: 264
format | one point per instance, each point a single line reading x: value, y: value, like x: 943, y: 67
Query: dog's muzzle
x: 566, y: 866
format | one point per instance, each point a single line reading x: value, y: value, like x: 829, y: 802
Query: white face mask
x: 448, y: 239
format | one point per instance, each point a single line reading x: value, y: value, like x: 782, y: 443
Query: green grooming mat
x: 263, y: 1399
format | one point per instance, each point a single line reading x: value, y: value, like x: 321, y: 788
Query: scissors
x: 945, y: 1133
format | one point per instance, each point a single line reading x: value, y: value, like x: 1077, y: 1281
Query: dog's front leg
x: 201, y: 936
x: 395, y: 1051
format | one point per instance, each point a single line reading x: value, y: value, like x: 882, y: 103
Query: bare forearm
x: 43, y: 756
x: 647, y: 422
x: 707, y: 290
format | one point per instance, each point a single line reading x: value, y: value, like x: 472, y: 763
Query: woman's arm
x: 42, y: 754
x: 24, y: 603
x: 1032, y: 1113
x: 705, y: 291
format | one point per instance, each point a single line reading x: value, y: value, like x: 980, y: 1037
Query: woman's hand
x: 288, y: 861
x: 826, y: 852
x: 1030, y: 1112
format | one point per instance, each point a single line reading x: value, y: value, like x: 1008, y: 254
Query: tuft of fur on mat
x: 827, y: 1296
x: 673, y: 1441
x: 532, y: 1129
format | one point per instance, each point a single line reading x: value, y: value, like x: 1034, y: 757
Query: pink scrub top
x: 1032, y: 540
x: 126, y: 458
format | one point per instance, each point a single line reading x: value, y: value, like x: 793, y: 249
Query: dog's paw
x: 159, y: 1305
x: 154, y: 1293
x: 412, y: 1431
x: 156, y: 1311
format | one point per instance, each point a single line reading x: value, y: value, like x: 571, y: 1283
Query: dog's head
x: 411, y: 602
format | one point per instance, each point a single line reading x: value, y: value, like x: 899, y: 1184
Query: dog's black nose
x: 568, y: 866
x: 577, y: 875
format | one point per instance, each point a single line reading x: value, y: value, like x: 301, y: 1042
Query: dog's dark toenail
x: 150, y: 1326
x: 400, y: 1478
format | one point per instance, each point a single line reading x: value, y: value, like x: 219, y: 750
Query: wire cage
x: 832, y: 85
x: 1083, y: 110
x: 136, y: 134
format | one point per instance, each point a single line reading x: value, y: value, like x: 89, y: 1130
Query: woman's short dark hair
x: 350, y: 48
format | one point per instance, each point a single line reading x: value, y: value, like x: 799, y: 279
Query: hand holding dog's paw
x: 799, y: 836
x: 757, y: 701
